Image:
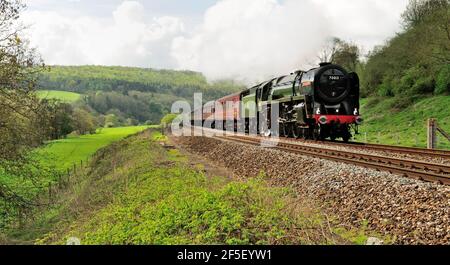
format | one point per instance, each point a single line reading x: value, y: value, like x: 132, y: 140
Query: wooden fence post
x: 431, y: 134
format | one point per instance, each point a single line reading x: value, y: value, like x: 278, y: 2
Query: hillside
x: 407, y: 80
x: 84, y: 79
x: 135, y: 94
x: 388, y: 122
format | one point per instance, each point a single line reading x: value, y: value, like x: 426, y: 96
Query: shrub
x: 385, y: 90
x: 443, y: 81
x: 167, y: 120
x: 416, y: 80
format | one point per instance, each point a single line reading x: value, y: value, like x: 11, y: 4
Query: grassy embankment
x: 401, y: 127
x: 136, y: 191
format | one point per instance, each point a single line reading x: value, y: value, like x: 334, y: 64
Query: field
x: 386, y: 125
x: 68, y: 97
x: 62, y: 154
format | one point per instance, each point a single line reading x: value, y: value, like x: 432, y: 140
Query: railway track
x: 398, y: 149
x: 431, y: 172
x: 445, y: 154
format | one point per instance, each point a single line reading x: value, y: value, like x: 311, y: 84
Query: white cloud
x: 127, y: 38
x: 243, y: 39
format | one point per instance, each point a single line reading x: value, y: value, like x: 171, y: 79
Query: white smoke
x: 253, y: 39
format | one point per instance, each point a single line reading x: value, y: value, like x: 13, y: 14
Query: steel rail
x: 381, y: 147
x: 405, y: 167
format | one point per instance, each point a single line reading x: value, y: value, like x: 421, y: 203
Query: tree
x: 83, y: 121
x: 342, y: 53
x: 22, y: 114
x: 329, y: 50
x: 60, y: 121
x: 419, y: 11
x: 19, y: 107
x: 111, y: 121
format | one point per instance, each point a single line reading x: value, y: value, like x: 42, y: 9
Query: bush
x: 385, y: 90
x: 167, y: 120
x: 416, y: 80
x: 443, y: 81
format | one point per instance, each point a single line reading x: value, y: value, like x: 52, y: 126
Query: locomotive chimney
x: 324, y: 64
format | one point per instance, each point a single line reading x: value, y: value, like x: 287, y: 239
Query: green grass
x: 68, y: 97
x: 137, y: 192
x: 62, y: 154
x: 386, y: 125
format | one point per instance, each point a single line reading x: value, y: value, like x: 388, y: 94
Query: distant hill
x: 132, y: 95
x: 83, y: 79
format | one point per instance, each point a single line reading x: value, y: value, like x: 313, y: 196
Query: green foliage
x: 168, y: 119
x: 159, y: 137
x: 173, y: 206
x: 411, y: 63
x: 415, y: 81
x: 443, y: 81
x: 59, y: 118
x: 83, y: 121
x: 347, y: 55
x: 141, y: 108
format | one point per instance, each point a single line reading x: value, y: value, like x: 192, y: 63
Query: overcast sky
x: 250, y: 39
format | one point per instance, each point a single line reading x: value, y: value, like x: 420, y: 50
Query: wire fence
x: 65, y: 178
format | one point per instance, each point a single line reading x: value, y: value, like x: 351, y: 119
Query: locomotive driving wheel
x: 283, y: 130
x: 296, y: 131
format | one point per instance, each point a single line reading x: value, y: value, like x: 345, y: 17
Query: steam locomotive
x: 316, y: 104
